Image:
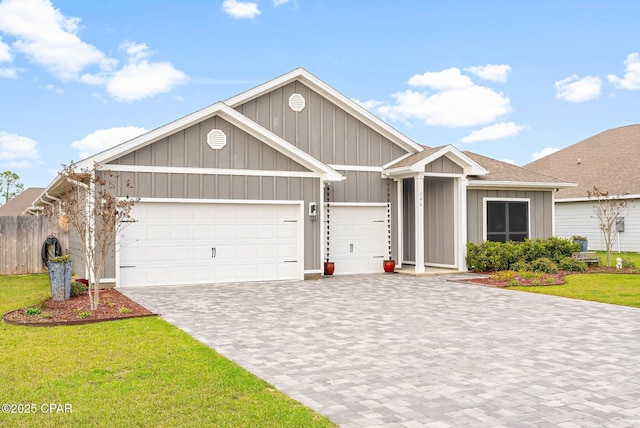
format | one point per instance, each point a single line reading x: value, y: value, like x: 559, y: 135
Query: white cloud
x: 240, y: 9
x: 472, y: 106
x: 54, y: 88
x: 494, y: 132
x: 277, y: 3
x: 578, y: 89
x: 5, y: 54
x: 103, y: 139
x: 140, y: 78
x: 544, y: 152
x: 493, y: 72
x: 17, y: 151
x: 48, y: 38
x: 631, y: 79
x: 510, y: 161
x: 370, y: 105
x: 9, y: 73
x: 444, y: 80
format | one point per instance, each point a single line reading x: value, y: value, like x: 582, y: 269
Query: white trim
x: 585, y: 199
x: 461, y: 213
x: 358, y: 204
x: 333, y: 95
x: 400, y: 159
x: 400, y: 223
x: 441, y: 174
x: 492, y: 199
x: 103, y: 280
x: 481, y: 184
x: 299, y: 231
x: 468, y: 165
x: 234, y: 118
x: 208, y: 171
x: 308, y: 271
x: 364, y: 168
x: 441, y: 265
x: 419, y: 223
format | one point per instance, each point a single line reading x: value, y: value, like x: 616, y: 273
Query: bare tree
x: 607, y: 210
x: 94, y: 205
x: 10, y: 185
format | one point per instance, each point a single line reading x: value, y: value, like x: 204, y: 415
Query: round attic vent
x: 216, y: 139
x: 296, y: 102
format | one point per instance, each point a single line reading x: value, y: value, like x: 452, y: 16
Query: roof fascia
x: 341, y: 100
x: 469, y: 166
x: 587, y: 199
x: 479, y: 184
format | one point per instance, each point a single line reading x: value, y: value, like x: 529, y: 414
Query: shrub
x: 520, y: 266
x: 536, y: 282
x: 571, y: 264
x: 32, y: 311
x: 514, y: 283
x: 84, y: 314
x: 626, y: 263
x: 544, y: 264
x: 124, y: 310
x: 530, y: 275
x: 504, y: 275
x: 77, y: 288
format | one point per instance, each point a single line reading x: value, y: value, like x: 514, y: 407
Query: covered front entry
x: 358, y: 236
x: 180, y: 243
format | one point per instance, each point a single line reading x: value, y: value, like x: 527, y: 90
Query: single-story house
x: 608, y: 161
x: 273, y: 182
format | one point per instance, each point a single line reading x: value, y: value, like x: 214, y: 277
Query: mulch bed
x: 557, y: 278
x: 67, y: 312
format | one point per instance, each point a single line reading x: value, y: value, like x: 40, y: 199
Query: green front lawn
x: 136, y: 372
x: 618, y: 289
x: 633, y: 257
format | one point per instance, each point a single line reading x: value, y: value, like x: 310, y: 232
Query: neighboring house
x: 21, y: 203
x: 608, y: 161
x: 263, y: 185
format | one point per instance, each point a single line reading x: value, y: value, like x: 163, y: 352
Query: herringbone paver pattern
x: 395, y: 350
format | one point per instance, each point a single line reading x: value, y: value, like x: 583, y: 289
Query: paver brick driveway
x: 396, y: 350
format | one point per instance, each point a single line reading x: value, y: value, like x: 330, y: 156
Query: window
x: 507, y: 220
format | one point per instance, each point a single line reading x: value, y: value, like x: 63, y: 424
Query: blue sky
x: 510, y: 80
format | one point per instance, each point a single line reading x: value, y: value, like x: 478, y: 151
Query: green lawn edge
x: 136, y: 372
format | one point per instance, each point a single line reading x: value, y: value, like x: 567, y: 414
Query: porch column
x: 419, y: 219
x: 461, y: 224
x: 399, y: 222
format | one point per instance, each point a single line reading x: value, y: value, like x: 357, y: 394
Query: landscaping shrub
x: 544, y: 264
x: 520, y: 266
x: 626, y: 263
x: 77, y: 288
x: 569, y: 263
x: 491, y: 256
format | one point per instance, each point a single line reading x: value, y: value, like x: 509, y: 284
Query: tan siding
x: 409, y: 219
x: 443, y: 165
x: 438, y: 217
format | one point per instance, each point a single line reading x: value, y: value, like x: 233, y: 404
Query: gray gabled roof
x: 609, y: 160
x: 20, y: 204
x: 507, y: 174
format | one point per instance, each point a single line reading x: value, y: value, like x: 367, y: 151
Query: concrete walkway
x: 397, y: 350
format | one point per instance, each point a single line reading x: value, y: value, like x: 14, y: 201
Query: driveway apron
x: 396, y: 350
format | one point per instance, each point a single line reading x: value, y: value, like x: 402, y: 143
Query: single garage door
x: 357, y: 239
x: 173, y: 243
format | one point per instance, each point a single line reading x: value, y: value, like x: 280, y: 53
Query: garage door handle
x: 351, y: 248
x: 213, y: 252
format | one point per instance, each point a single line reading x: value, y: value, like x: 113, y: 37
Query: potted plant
x: 60, y: 277
x: 582, y: 240
x: 329, y: 268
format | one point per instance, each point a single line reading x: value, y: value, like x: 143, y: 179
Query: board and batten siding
x: 322, y: 129
x: 439, y: 215
x: 188, y: 148
x: 540, y: 211
x: 578, y: 218
x: 443, y: 165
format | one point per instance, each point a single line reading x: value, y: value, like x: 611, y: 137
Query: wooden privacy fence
x: 21, y: 240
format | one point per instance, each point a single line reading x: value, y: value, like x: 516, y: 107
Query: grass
x: 618, y: 289
x: 136, y: 372
x: 631, y: 256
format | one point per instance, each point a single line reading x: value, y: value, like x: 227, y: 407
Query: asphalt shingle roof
x: 503, y: 171
x: 19, y: 204
x: 609, y: 160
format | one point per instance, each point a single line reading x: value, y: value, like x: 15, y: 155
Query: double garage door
x: 173, y: 243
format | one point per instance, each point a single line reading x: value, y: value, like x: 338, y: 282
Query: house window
x: 507, y: 221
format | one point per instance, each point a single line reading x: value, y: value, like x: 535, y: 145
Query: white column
x: 419, y: 218
x: 461, y: 222
x: 399, y: 222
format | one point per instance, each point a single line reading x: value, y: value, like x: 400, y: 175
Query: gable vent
x: 296, y: 102
x: 216, y: 139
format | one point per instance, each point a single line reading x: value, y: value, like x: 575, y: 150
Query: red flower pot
x: 329, y: 268
x: 389, y: 265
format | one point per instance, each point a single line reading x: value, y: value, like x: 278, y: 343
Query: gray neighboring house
x: 609, y: 161
x: 21, y: 203
x: 266, y: 184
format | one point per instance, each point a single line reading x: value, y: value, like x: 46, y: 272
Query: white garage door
x: 357, y: 239
x: 199, y: 243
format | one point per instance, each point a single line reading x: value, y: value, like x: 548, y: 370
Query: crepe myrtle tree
x: 607, y: 210
x: 10, y: 185
x: 96, y: 205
